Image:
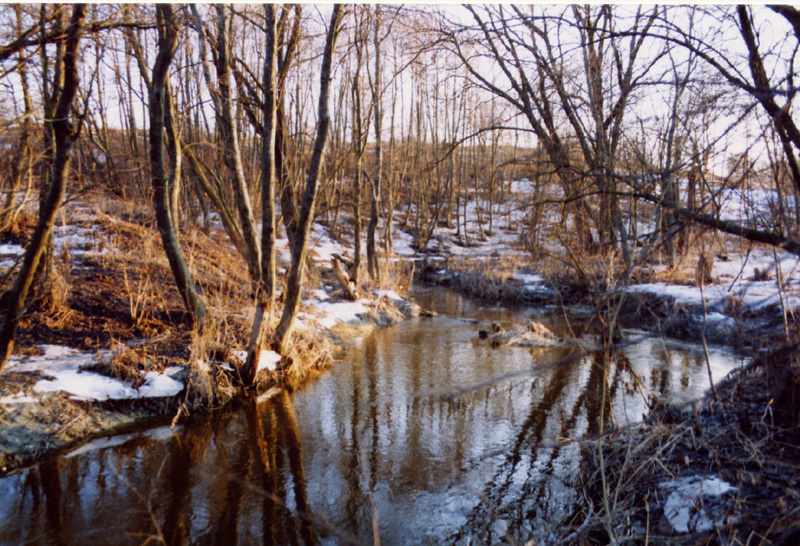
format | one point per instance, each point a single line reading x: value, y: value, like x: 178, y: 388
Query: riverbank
x: 718, y: 471
x: 723, y: 471
x: 116, y: 331
x: 105, y: 349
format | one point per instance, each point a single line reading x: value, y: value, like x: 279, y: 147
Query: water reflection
x: 235, y: 478
x: 380, y: 435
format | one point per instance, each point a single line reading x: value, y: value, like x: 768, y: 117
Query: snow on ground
x: 734, y: 278
x: 330, y: 314
x: 267, y: 360
x: 9, y: 254
x: 79, y: 240
x: 403, y: 243
x: 63, y: 366
x: 535, y: 284
x: 389, y: 294
x: 692, y: 498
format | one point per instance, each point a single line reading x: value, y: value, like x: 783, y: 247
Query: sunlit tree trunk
x: 266, y: 287
x: 376, y: 83
x: 230, y: 144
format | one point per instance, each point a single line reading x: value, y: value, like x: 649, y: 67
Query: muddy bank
x: 722, y: 471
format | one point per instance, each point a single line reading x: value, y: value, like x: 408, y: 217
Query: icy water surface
x: 413, y: 421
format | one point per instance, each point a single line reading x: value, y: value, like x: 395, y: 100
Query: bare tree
x: 266, y: 287
x: 544, y: 88
x: 226, y: 124
x: 159, y: 105
x: 376, y: 87
x: 294, y: 283
x: 65, y: 133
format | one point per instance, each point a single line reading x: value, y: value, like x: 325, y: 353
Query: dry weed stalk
x: 140, y: 297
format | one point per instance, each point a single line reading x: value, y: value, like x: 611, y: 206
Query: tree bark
x: 230, y: 144
x: 65, y: 134
x: 167, y: 44
x: 375, y: 180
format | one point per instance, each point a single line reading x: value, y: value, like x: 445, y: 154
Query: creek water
x: 421, y: 434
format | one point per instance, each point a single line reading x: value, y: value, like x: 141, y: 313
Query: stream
x: 420, y: 433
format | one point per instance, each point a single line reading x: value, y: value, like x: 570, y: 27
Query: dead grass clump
x: 705, y: 269
x: 309, y: 355
x: 395, y: 275
x: 128, y: 211
x: 677, y: 275
x: 50, y: 300
x: 123, y: 363
x: 484, y: 279
x: 733, y: 306
x: 19, y: 229
x: 761, y: 275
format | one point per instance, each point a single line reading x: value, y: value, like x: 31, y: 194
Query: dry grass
x: 735, y: 439
x: 123, y: 363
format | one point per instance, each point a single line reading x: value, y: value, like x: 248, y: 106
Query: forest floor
x: 106, y: 349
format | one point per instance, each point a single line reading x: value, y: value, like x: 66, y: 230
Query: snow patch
x: 10, y: 249
x: 684, y: 507
x: 390, y: 294
x: 18, y: 398
x: 158, y: 385
x: 333, y: 313
x: 86, y: 386
x: 268, y: 360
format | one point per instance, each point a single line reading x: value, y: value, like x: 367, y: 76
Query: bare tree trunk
x: 375, y: 180
x: 167, y: 44
x: 297, y: 271
x: 65, y: 134
x: 175, y: 155
x: 359, y: 144
x: 230, y: 143
x: 266, y: 288
x: 50, y: 98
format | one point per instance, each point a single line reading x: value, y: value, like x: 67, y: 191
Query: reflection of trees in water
x: 545, y: 496
x: 257, y: 485
x: 210, y: 490
x: 278, y: 470
x: 50, y: 480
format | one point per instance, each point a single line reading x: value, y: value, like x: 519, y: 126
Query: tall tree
x: 265, y: 292
x: 376, y: 86
x: 158, y: 101
x: 229, y: 133
x: 65, y: 133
